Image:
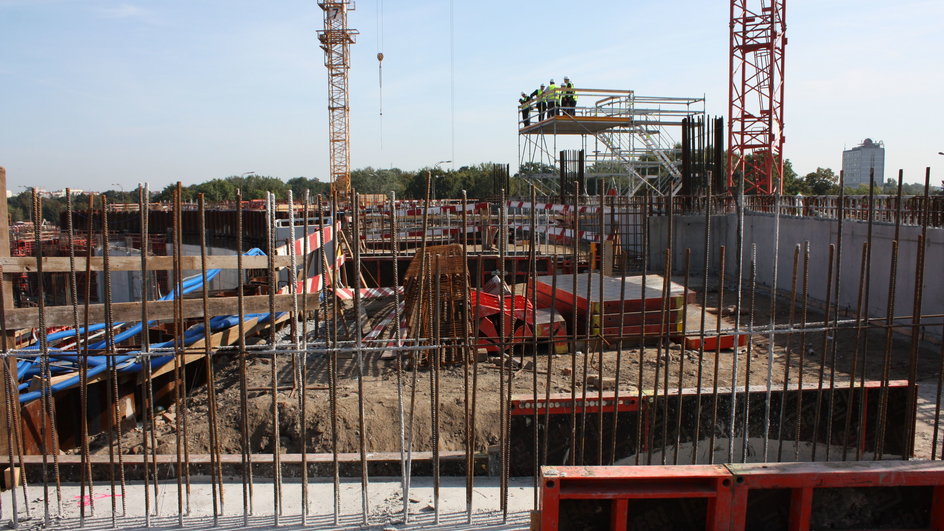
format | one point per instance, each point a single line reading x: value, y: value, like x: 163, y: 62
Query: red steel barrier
x: 793, y: 496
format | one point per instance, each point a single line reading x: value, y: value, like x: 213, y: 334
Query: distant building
x: 857, y: 162
x: 62, y: 193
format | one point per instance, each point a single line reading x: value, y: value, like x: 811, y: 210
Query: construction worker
x: 569, y: 97
x: 524, y: 104
x: 553, y: 99
x: 542, y: 102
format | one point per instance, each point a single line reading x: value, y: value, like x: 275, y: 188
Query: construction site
x: 672, y: 344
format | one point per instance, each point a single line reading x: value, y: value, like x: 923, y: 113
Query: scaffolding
x: 627, y: 140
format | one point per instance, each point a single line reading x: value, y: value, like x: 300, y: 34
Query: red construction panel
x: 562, y: 403
x: 804, y: 478
x: 488, y: 335
x: 726, y: 489
x: 652, y: 330
x: 489, y: 304
x: 710, y: 482
x: 614, y: 296
x: 634, y: 318
x: 711, y: 342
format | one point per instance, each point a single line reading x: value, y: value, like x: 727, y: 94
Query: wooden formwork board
x: 617, y: 307
x: 610, y: 320
x: 614, y: 299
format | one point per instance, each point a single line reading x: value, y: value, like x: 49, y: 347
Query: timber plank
x: 60, y: 264
x: 157, y: 310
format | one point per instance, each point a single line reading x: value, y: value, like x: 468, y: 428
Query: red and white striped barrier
x: 556, y: 207
x: 367, y: 293
x: 381, y: 326
x: 313, y: 283
x: 314, y: 242
x: 563, y: 233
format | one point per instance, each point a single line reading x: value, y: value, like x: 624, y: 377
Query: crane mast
x: 336, y: 39
x: 755, y: 103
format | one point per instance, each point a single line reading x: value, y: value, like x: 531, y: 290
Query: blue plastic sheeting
x: 128, y: 362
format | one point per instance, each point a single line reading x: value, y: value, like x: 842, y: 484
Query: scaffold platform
x: 627, y: 136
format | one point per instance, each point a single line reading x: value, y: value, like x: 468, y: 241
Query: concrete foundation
x: 759, y: 231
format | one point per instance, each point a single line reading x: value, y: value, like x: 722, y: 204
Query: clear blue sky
x: 95, y: 93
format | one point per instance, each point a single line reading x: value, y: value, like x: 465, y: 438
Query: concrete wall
x: 759, y: 231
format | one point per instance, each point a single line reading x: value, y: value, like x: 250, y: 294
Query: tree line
x: 824, y: 181
x: 479, y: 181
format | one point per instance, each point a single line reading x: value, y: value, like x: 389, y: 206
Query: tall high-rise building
x: 857, y: 162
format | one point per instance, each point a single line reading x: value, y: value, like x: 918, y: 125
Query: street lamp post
x: 429, y: 174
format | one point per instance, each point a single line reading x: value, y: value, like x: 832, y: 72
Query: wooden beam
x: 196, y: 351
x: 157, y: 310
x: 285, y: 458
x: 60, y: 264
x: 9, y: 364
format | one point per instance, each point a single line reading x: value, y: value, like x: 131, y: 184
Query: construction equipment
x: 335, y: 39
x: 755, y: 95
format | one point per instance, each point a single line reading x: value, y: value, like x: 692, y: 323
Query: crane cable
x: 452, y: 82
x: 380, y: 57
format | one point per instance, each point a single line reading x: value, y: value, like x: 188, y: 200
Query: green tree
x: 891, y: 188
x: 299, y: 185
x: 536, y: 168
x: 378, y: 181
x: 823, y: 181
x: 792, y: 184
x: 251, y: 186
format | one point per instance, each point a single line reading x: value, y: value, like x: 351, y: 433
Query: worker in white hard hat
x: 553, y: 99
x: 524, y: 105
x: 568, y: 97
x: 542, y: 102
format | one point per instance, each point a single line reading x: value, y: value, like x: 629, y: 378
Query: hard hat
x: 542, y: 85
x: 566, y: 78
x: 552, y: 82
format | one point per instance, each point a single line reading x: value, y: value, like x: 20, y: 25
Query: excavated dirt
x: 381, y: 410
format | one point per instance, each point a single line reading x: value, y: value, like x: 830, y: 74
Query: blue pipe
x: 98, y: 364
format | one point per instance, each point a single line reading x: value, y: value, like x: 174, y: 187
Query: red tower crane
x: 755, y: 95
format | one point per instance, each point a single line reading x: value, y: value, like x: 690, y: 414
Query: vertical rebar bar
x: 801, y: 365
x: 46, y: 417
x: 749, y: 354
x: 717, y: 363
x: 916, y: 319
x: 215, y: 480
x: 358, y: 339
x: 643, y: 406
x: 853, y: 369
x: 706, y: 241
x: 245, y: 448
x: 772, y: 338
x: 788, y: 351
x: 738, y: 273
x: 398, y: 336
x: 841, y: 214
x: 85, y: 476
